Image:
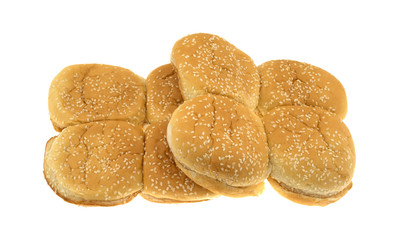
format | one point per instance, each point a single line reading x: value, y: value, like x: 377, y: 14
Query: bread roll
x: 163, y: 93
x: 220, y: 144
x: 287, y: 83
x: 311, y: 153
x: 207, y: 63
x: 97, y: 163
x: 94, y: 92
x: 163, y: 181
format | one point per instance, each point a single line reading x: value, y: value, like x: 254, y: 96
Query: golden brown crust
x: 311, y: 150
x: 306, y: 199
x: 94, y: 92
x: 219, y: 138
x: 207, y: 63
x: 288, y: 82
x: 163, y: 93
x: 98, y: 163
x: 83, y: 202
x: 162, y: 179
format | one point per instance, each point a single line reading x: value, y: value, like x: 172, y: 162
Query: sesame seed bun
x: 94, y: 92
x: 207, y: 63
x: 97, y: 163
x: 163, y: 181
x: 220, y: 144
x: 287, y: 83
x: 163, y: 93
x: 311, y: 152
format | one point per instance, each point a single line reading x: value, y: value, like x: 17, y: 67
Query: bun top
x: 161, y: 177
x: 207, y: 63
x: 220, y: 138
x: 163, y: 93
x: 93, y: 92
x: 287, y: 83
x: 96, y: 161
x: 311, y: 150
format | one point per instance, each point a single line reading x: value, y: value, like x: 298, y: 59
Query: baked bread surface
x: 97, y: 163
x: 218, y: 139
x: 163, y: 93
x: 207, y: 63
x: 86, y: 93
x: 163, y: 180
x: 311, y: 150
x: 293, y: 83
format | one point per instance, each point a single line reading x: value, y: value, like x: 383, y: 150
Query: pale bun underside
x: 168, y: 200
x: 301, y: 198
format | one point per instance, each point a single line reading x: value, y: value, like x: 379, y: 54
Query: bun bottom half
x: 305, y: 199
x: 219, y: 187
x: 92, y: 203
x: 168, y: 200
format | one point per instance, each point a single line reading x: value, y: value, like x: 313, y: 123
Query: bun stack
x: 97, y: 158
x: 164, y: 181
x: 211, y: 123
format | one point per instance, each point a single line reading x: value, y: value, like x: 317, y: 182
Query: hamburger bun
x: 163, y: 93
x: 288, y: 83
x: 311, y: 153
x: 220, y: 144
x: 207, y: 63
x: 97, y: 163
x: 163, y: 181
x: 94, y: 92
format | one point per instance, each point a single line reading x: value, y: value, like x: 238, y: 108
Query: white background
x: 357, y: 41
